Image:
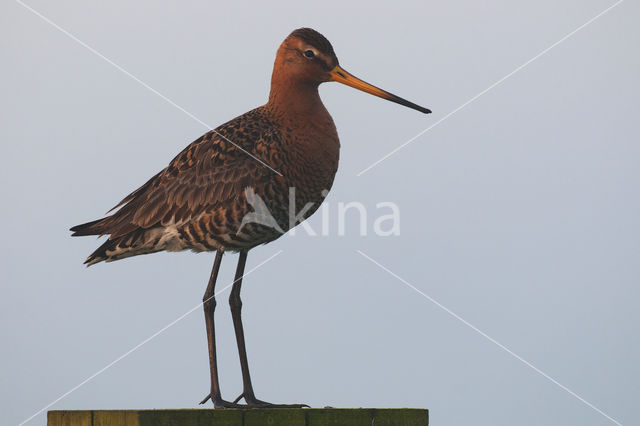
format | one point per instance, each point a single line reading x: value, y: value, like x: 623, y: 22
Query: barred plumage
x: 198, y: 201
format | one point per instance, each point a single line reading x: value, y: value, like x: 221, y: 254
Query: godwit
x: 202, y: 199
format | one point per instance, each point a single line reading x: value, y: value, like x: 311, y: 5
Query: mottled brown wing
x: 210, y: 172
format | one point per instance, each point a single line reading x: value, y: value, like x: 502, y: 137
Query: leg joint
x: 234, y: 301
x: 209, y: 301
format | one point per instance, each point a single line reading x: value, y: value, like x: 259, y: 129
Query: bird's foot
x: 253, y: 402
x: 221, y: 403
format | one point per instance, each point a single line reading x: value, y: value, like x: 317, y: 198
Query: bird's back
x: 243, y: 169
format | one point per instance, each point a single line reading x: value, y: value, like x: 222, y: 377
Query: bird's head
x: 307, y: 57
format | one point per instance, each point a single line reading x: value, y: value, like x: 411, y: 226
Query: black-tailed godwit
x: 201, y: 200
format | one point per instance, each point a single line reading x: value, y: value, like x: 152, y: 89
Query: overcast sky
x: 519, y: 213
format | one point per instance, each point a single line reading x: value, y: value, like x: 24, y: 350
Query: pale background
x: 519, y: 213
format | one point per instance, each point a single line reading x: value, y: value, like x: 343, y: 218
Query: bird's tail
x: 100, y: 254
x: 95, y: 227
x: 120, y: 244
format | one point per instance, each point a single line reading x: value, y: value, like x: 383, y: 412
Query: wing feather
x: 209, y: 173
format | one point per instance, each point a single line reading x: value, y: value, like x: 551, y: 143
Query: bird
x: 231, y: 189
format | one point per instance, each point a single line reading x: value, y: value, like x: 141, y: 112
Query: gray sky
x: 519, y: 213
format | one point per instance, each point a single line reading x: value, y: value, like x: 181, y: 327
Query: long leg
x: 209, y: 305
x: 236, y: 307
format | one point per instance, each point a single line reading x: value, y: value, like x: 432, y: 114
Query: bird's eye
x: 309, y: 53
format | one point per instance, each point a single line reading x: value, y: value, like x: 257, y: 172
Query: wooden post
x: 243, y: 417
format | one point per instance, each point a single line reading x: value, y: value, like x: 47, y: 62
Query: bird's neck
x: 294, y: 98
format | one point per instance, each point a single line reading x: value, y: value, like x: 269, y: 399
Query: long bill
x: 341, y: 76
